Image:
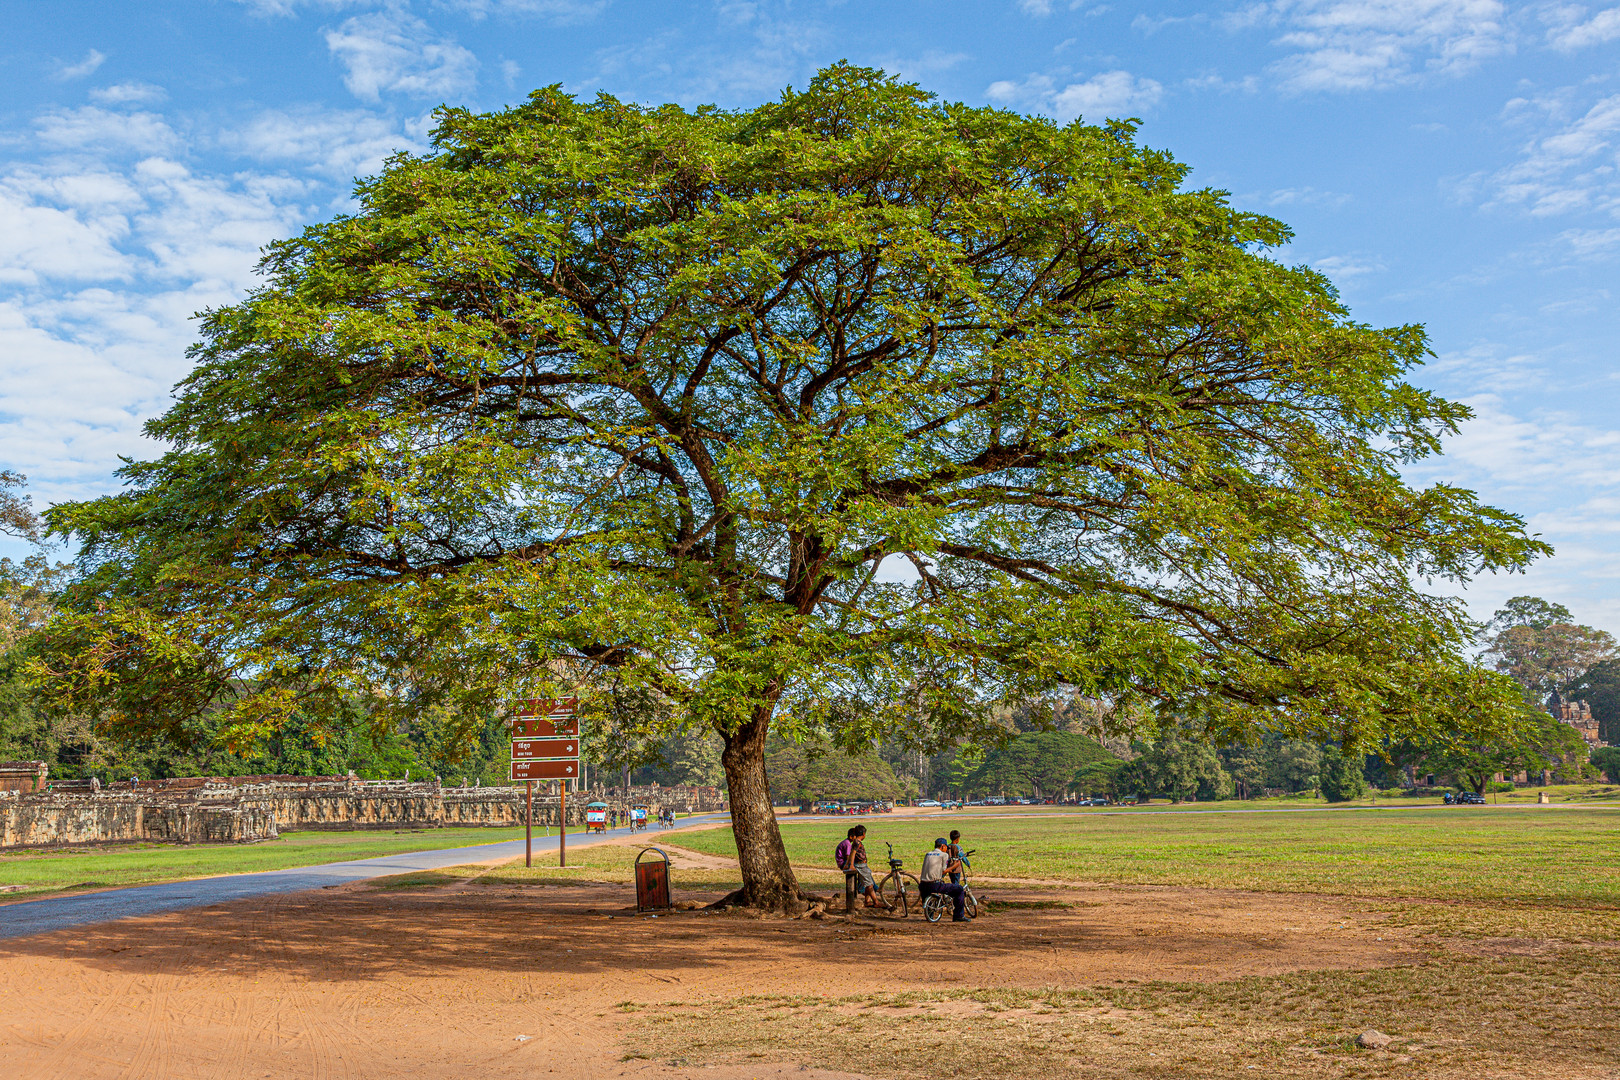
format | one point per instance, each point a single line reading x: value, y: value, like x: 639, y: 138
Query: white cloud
x: 1572, y: 168
x: 758, y: 47
x: 128, y: 93
x: 43, y: 241
x: 1040, y: 9
x: 1300, y: 196
x: 1152, y: 24
x: 1249, y: 84
x: 398, y: 53
x: 1111, y: 94
x: 560, y: 11
x: 919, y: 68
x: 1536, y: 454
x: 274, y: 8
x: 1490, y: 369
x: 1571, y: 30
x: 341, y: 144
x: 87, y: 66
x: 1561, y: 473
x: 1342, y: 267
x: 89, y: 127
x: 1374, y: 44
x: 100, y: 271
x: 1591, y: 244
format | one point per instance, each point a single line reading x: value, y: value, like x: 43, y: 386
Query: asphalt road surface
x: 62, y: 912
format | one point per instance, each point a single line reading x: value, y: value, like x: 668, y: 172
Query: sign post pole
x: 528, y: 826
x: 562, y: 826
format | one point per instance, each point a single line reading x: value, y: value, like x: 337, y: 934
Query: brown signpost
x: 544, y: 748
x: 527, y: 707
x: 548, y: 769
x: 540, y: 727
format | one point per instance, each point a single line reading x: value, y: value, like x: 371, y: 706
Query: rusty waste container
x: 652, y: 881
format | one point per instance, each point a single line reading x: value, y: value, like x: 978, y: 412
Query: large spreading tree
x: 855, y: 397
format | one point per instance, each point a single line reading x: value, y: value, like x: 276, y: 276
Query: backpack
x: 841, y: 854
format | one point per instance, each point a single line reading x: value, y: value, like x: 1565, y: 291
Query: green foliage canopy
x: 1341, y: 777
x: 592, y: 387
x: 806, y: 773
x: 1608, y: 760
x: 1036, y: 763
x: 1178, y: 767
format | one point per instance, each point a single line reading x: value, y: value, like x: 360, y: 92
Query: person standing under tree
x: 938, y: 865
x: 954, y: 850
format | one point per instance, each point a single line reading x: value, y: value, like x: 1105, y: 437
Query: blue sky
x: 1449, y: 162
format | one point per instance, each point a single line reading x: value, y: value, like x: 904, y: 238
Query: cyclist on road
x: 938, y: 866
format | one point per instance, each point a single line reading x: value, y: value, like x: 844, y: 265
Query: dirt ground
x: 481, y: 981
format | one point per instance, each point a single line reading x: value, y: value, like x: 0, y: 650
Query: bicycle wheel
x: 970, y: 904
x: 933, y: 906
x: 896, y: 891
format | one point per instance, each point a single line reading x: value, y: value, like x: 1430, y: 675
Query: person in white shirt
x: 937, y: 867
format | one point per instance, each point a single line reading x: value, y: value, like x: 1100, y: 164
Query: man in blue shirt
x: 954, y: 850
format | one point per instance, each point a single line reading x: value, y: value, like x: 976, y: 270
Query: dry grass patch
x: 1455, y: 1016
x: 1525, y: 921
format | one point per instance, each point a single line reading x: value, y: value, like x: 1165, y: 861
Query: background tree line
x: 1048, y: 752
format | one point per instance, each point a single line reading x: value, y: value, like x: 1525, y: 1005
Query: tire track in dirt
x: 63, y: 1059
x: 243, y: 1026
x: 154, y: 1052
x: 327, y: 1060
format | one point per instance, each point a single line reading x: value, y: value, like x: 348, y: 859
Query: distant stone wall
x: 49, y: 820
x: 24, y: 776
x: 244, y: 809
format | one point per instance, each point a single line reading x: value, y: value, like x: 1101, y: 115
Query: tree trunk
x: 768, y: 880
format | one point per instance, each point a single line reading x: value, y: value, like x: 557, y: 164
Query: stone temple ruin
x: 240, y: 809
x: 1578, y: 715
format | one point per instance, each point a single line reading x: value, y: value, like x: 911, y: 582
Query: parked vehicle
x: 1471, y: 798
x: 929, y: 802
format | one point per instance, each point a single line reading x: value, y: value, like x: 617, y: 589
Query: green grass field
x: 143, y: 864
x: 1517, y: 909
x: 1541, y: 855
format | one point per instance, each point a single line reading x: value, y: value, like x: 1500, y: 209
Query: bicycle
x: 898, y: 887
x: 935, y: 905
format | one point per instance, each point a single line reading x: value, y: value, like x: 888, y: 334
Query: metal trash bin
x: 652, y: 882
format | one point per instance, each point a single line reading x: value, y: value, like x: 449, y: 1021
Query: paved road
x: 61, y: 912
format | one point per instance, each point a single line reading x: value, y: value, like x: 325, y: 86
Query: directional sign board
x: 532, y: 727
x: 545, y: 718
x: 560, y: 769
x: 544, y: 706
x: 544, y: 749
